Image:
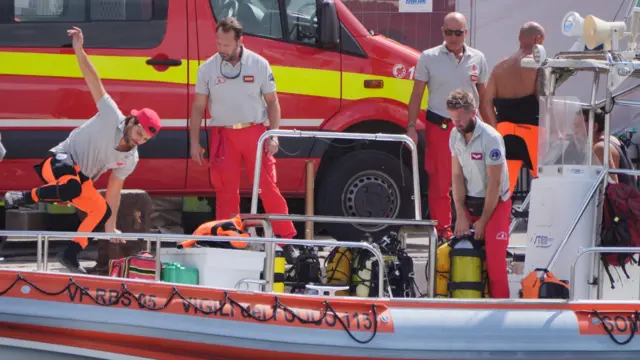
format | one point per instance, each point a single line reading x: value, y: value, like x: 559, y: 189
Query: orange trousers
x: 66, y: 183
x: 229, y: 148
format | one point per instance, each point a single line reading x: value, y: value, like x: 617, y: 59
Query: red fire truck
x: 147, y: 52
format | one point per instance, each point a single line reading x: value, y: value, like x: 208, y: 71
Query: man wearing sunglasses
x: 239, y: 88
x: 452, y: 65
x: 511, y: 103
x: 108, y: 141
x: 480, y: 186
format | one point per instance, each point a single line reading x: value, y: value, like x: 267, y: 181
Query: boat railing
x: 597, y: 249
x: 429, y: 230
x: 415, y: 172
x: 617, y: 68
x: 43, y: 238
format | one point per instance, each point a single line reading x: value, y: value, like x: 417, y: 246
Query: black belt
x: 439, y: 120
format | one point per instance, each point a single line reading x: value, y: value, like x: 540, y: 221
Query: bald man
x: 514, y: 92
x: 444, y: 68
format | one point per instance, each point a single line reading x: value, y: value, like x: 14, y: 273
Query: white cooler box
x: 220, y: 268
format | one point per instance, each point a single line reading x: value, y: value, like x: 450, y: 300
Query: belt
x: 437, y: 119
x: 240, y: 125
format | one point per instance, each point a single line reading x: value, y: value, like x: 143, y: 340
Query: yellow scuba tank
x: 443, y: 266
x: 361, y: 273
x: 467, y: 275
x: 339, y: 268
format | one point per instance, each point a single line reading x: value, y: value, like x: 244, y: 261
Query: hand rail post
x: 39, y: 253
x: 433, y: 247
x: 158, y: 261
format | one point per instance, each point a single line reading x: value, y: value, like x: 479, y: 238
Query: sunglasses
x: 450, y: 32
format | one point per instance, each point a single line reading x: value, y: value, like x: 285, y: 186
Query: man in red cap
x: 108, y: 141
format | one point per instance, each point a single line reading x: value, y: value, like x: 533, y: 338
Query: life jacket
x: 620, y: 225
x: 231, y: 227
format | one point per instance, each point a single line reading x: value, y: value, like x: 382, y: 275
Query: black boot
x: 69, y: 258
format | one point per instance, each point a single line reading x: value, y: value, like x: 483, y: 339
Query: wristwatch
x: 411, y: 125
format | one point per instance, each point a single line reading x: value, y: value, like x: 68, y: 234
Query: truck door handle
x: 164, y: 62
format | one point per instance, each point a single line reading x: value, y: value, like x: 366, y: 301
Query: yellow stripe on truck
x: 108, y: 67
x: 292, y: 80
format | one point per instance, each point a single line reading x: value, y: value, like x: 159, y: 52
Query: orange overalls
x: 66, y: 183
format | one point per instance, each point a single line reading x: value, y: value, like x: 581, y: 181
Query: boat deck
x: 417, y: 250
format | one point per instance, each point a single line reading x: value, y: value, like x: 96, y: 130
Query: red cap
x: 148, y: 119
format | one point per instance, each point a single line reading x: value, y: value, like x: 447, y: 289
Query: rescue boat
x: 55, y: 315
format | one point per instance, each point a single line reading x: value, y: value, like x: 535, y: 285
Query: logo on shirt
x: 248, y: 79
x: 502, y: 236
x: 473, y: 74
x: 271, y: 79
x: 476, y: 156
x: 219, y: 81
x: 495, y: 154
x: 120, y: 164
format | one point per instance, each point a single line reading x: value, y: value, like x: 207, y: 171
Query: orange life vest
x: 231, y: 227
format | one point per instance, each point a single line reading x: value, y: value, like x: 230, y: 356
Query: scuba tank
x: 362, y: 271
x: 467, y: 261
x: 338, y: 265
x: 443, y: 267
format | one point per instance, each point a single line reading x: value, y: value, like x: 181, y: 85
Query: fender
x: 353, y: 112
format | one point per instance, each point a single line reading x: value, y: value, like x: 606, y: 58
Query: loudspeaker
x: 598, y: 31
x: 572, y: 24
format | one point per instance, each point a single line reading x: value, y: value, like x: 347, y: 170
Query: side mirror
x: 329, y: 26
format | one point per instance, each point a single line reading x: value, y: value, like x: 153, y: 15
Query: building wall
x: 418, y: 30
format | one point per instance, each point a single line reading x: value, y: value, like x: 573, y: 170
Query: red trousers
x: 228, y: 148
x: 496, y: 240
x: 437, y: 163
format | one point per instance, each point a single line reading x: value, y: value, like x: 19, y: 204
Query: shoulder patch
x: 271, y: 79
x: 495, y: 154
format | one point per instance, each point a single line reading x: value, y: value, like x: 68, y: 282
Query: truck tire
x: 365, y: 183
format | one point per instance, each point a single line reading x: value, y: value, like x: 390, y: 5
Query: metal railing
x: 599, y: 249
x: 43, y: 239
x: 339, y: 135
x: 430, y: 224
x: 417, y: 199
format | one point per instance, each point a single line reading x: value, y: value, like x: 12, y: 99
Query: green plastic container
x: 176, y: 273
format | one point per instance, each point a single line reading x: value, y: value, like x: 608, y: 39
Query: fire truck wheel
x: 365, y: 183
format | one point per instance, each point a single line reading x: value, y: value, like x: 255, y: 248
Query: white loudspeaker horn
x: 597, y: 31
x: 572, y: 24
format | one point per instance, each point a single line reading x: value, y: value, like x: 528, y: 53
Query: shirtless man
x: 514, y: 91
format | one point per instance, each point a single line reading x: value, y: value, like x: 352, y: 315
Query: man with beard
x: 238, y: 86
x: 107, y: 141
x: 514, y: 91
x: 444, y: 68
x: 480, y: 186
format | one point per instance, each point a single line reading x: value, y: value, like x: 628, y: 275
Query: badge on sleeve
x: 271, y: 79
x: 495, y: 154
x: 248, y: 79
